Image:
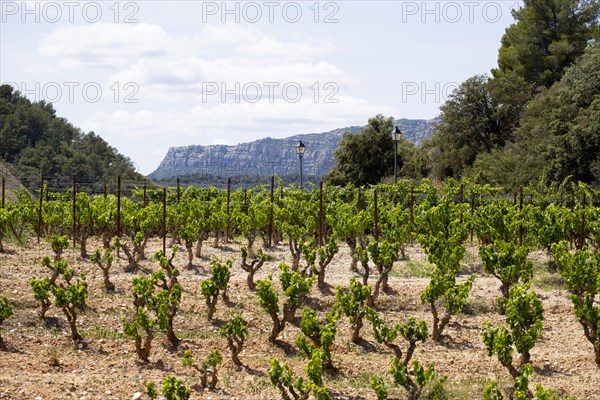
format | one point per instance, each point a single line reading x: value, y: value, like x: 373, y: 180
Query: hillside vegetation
x: 35, y: 140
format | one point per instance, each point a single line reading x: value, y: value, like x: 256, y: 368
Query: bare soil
x: 41, y: 361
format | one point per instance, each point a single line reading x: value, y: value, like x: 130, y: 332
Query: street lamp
x: 300, y: 150
x: 396, y: 135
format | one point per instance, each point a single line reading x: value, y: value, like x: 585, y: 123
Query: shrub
x: 295, y: 288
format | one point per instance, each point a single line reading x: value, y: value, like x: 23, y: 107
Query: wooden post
x: 412, y: 205
x: 39, y: 230
x: 520, y: 208
x: 321, y: 215
x: 228, y: 210
x: 145, y: 194
x: 119, y: 206
x: 105, y: 192
x: 271, y: 212
x: 376, y: 216
x: 3, y: 191
x: 164, y: 222
x: 461, y: 201
x: 74, y: 210
x: 179, y: 190
x: 472, y: 211
x: 582, y: 230
x: 358, y: 200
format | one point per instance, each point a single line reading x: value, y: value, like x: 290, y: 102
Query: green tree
x: 366, y: 157
x: 477, y: 118
x: 548, y: 36
x: 575, y: 122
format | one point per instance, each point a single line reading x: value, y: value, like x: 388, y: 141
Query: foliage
x: 522, y: 391
x: 321, y: 335
x: 524, y: 314
x: 41, y: 293
x: 353, y: 305
x: 156, y: 302
x: 216, y: 284
x: 236, y: 332
x: 412, y: 331
x: 6, y: 311
x: 319, y: 258
x: 383, y: 254
x: 104, y: 262
x: 507, y: 262
x: 295, y: 288
x: 379, y: 386
x: 142, y: 330
x: 471, y: 122
x: 296, y: 387
x: 58, y: 245
x: 256, y: 263
x: 443, y: 230
x: 547, y: 37
x: 175, y: 389
x: 70, y: 299
x: 423, y: 378
x: 581, y: 270
x: 366, y: 157
x: 208, y: 367
x: 37, y: 141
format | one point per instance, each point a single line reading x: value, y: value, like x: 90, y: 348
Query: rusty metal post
x: 74, y: 209
x: 582, y: 230
x: 376, y: 216
x: 119, y: 206
x: 164, y: 222
x: 321, y: 215
x: 145, y: 193
x: 271, y: 212
x: 228, y: 210
x: 520, y: 208
x: 39, y: 230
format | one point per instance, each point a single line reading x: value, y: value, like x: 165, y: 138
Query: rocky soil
x: 41, y: 361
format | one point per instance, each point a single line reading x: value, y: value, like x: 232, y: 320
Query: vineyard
x: 394, y: 291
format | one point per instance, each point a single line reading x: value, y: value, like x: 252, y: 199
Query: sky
x: 149, y: 75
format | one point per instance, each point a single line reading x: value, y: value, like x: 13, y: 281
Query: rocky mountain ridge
x: 269, y: 156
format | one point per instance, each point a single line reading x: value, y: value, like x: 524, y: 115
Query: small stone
x: 136, y: 396
x: 108, y: 392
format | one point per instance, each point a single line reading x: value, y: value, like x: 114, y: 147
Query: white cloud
x: 103, y: 44
x: 224, y: 123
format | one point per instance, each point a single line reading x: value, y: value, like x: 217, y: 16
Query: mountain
x: 266, y: 157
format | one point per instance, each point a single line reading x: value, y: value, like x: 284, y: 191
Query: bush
x: 6, y: 311
x: 295, y: 288
x: 216, y: 284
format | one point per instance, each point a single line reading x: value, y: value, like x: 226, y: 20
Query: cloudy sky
x: 148, y: 75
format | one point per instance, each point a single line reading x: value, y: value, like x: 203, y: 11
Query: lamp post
x: 300, y: 150
x: 396, y: 135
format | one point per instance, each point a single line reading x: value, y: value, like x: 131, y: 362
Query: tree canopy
x: 35, y: 140
x: 536, y: 116
x: 548, y: 36
x: 367, y: 157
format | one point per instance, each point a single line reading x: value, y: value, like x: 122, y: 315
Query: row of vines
x: 377, y: 225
